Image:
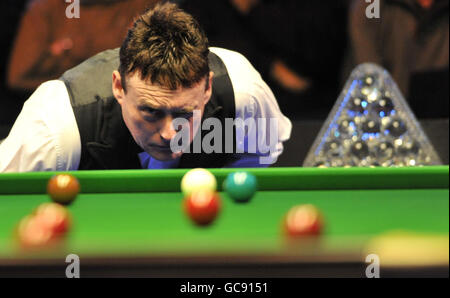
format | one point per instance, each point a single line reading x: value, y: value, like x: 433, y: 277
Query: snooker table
x: 130, y: 223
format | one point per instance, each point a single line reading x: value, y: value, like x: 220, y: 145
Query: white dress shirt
x: 45, y: 136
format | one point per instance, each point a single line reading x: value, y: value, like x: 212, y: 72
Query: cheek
x: 195, y: 125
x: 191, y: 129
x: 128, y: 118
x: 136, y: 123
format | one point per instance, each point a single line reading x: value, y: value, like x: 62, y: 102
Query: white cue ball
x: 197, y: 179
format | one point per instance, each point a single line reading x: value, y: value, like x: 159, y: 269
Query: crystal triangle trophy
x: 371, y: 125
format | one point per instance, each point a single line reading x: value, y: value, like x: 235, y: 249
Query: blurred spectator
x: 11, y: 11
x: 410, y: 39
x: 48, y: 42
x: 297, y: 46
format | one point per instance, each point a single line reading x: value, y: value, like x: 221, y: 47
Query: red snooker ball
x: 45, y: 227
x: 303, y: 220
x: 63, y: 188
x: 30, y: 234
x: 202, y: 206
x: 54, y: 217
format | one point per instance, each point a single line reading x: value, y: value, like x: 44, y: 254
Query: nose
x: 167, y: 131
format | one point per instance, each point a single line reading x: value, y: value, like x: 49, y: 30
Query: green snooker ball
x: 241, y: 186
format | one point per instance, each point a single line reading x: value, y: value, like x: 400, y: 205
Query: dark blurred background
x: 304, y: 50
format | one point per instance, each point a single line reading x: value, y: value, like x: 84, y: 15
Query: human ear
x: 208, y: 91
x: 117, y: 88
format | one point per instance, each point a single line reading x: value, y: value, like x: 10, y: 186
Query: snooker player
x: 116, y: 109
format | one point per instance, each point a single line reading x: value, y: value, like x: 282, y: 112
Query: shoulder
x: 236, y: 63
x: 229, y: 56
x: 47, y: 97
x: 49, y: 108
x: 248, y: 85
x: 103, y: 62
x: 44, y: 137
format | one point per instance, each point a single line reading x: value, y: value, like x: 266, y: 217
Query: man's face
x: 148, y: 111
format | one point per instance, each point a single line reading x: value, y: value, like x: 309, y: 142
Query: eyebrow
x: 188, y: 109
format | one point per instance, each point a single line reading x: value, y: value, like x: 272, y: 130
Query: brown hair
x: 166, y: 46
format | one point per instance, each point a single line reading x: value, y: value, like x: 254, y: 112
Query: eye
x: 152, y: 112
